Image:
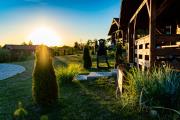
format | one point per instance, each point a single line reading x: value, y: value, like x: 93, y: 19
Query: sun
x: 46, y: 36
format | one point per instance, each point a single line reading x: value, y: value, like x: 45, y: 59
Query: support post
x: 152, y: 30
x: 130, y: 43
x: 134, y: 38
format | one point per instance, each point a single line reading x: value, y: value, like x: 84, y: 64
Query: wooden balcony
x: 169, y: 51
x: 142, y: 52
x: 142, y: 40
x: 166, y: 46
x: 167, y: 39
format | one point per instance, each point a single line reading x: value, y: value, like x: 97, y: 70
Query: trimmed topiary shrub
x: 20, y: 113
x: 87, y: 58
x: 44, y: 84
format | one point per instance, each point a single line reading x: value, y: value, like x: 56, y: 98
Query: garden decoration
x: 102, y: 53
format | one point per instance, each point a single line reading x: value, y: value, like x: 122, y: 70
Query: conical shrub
x: 44, y: 84
x: 87, y: 58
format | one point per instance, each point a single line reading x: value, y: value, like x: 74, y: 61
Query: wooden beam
x: 152, y: 31
x: 134, y: 34
x: 115, y: 22
x: 134, y: 37
x: 158, y: 31
x: 148, y: 8
x: 124, y: 34
x: 163, y: 6
x: 138, y: 10
x: 130, y: 43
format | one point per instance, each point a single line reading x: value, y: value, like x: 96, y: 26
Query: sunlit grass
x: 67, y: 74
x: 159, y: 87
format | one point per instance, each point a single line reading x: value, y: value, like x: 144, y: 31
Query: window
x: 141, y: 46
x: 146, y: 57
x: 140, y: 56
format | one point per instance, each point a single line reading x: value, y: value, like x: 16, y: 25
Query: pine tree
x: 44, y: 84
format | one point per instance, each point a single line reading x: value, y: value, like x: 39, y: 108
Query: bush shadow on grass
x: 86, y: 100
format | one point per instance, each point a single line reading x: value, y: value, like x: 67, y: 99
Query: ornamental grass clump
x: 44, y: 85
x: 158, y: 87
x: 67, y: 74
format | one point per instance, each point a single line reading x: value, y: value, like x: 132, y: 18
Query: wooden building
x: 30, y: 49
x: 114, y: 32
x: 151, y: 28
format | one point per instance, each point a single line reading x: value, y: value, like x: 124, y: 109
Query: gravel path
x: 9, y: 70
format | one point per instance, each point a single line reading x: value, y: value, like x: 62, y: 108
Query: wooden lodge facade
x: 151, y: 28
x: 114, y: 32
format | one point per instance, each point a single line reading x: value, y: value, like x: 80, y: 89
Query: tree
x: 24, y: 43
x: 30, y: 43
x: 89, y: 42
x: 76, y: 45
x: 87, y: 58
x: 44, y: 85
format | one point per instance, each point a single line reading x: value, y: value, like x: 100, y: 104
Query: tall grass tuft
x: 67, y: 74
x: 159, y: 87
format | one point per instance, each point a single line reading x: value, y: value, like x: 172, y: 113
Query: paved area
x: 95, y: 75
x: 9, y: 70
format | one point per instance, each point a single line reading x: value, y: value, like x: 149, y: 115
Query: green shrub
x: 44, y: 84
x: 87, y: 58
x: 67, y: 74
x: 44, y: 117
x: 160, y: 87
x: 5, y: 55
x: 20, y: 113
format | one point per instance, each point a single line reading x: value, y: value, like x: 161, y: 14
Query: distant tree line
x: 29, y: 43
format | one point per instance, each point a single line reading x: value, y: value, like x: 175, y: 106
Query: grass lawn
x: 79, y: 100
x: 14, y: 89
x: 77, y: 59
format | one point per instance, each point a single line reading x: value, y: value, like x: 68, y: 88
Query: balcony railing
x: 166, y: 46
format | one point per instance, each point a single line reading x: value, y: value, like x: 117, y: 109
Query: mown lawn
x: 14, y: 89
x: 80, y: 100
x: 78, y: 59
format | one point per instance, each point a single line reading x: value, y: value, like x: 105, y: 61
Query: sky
x: 61, y: 22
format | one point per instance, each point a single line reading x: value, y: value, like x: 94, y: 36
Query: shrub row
x: 5, y: 55
x: 8, y: 56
